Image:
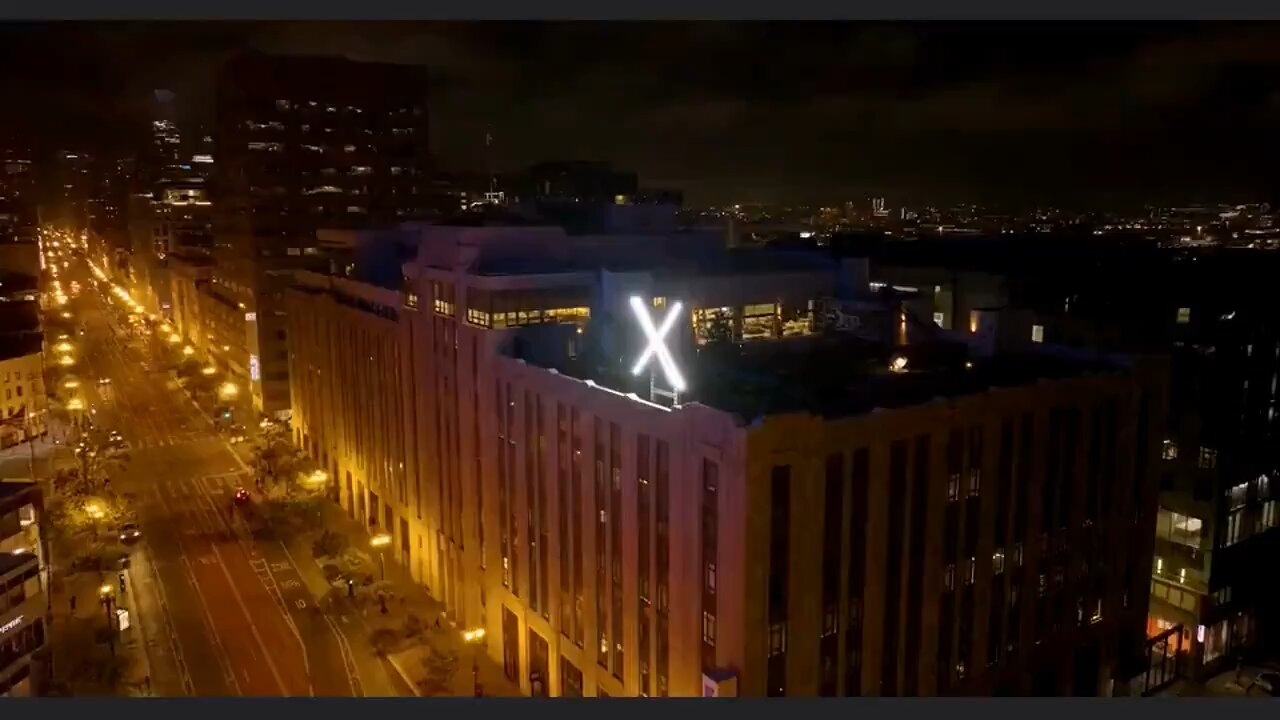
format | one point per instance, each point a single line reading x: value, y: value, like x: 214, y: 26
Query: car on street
x: 104, y: 381
x: 130, y: 532
x: 236, y: 434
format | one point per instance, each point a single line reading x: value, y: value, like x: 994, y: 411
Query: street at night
x: 233, y: 617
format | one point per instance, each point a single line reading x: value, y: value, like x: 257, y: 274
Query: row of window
x: 607, y: 497
x: 520, y: 318
x: 286, y: 105
x: 1206, y: 460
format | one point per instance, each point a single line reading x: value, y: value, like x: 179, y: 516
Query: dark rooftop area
x: 10, y: 561
x: 20, y: 344
x: 19, y: 317
x: 10, y: 487
x: 836, y: 375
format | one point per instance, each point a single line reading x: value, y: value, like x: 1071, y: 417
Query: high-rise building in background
x: 303, y: 143
x: 18, y: 189
x: 796, y: 488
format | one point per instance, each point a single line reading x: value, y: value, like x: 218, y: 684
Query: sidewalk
x: 150, y: 616
x: 41, y: 455
x: 362, y: 618
x: 399, y: 673
x: 82, y: 664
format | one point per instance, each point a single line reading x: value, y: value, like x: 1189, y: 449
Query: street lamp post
x: 107, y: 601
x: 381, y: 541
x: 474, y: 638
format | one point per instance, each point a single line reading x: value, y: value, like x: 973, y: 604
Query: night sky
x: 1056, y: 113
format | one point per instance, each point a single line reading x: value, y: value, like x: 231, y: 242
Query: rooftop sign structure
x: 657, y: 346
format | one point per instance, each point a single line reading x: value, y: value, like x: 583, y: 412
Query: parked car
x: 236, y: 434
x: 1268, y: 681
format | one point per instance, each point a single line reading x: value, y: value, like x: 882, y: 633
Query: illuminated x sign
x: 657, y: 342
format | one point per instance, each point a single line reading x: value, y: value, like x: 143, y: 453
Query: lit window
x: 396, y: 170
x: 997, y: 562
x: 1233, y: 534
x: 953, y: 487
x: 777, y: 639
x: 971, y: 570
x: 294, y: 251
x: 349, y: 148
x: 949, y: 576
x: 939, y: 319
x: 711, y: 578
x: 975, y: 481
x: 830, y: 623
x: 1268, y: 519
x: 355, y: 209
x: 973, y: 321
x: 1037, y: 333
x: 361, y: 170
x: 1168, y: 450
x: 708, y: 628
x: 1208, y: 458
x: 282, y: 105
x: 1184, y: 315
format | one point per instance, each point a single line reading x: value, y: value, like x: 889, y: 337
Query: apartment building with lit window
x: 1210, y: 312
x: 304, y: 143
x: 24, y: 610
x: 840, y: 502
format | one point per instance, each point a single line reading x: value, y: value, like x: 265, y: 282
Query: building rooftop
x: 833, y: 374
x: 12, y: 561
x: 10, y: 487
x: 19, y: 317
x: 20, y: 345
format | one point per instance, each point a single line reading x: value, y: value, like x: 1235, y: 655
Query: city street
x: 223, y: 614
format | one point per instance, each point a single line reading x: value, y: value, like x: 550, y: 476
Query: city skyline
x: 1012, y: 113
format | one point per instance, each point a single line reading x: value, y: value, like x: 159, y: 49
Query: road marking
x: 208, y: 507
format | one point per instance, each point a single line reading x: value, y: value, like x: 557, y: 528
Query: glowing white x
x: 657, y: 346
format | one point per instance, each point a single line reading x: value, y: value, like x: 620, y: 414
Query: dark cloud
x: 741, y: 110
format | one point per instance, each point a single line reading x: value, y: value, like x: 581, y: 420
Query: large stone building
x: 802, y: 490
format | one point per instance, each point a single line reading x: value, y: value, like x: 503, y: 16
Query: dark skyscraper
x: 305, y: 143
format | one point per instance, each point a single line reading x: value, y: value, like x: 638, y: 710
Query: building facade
x: 24, y: 612
x: 984, y: 537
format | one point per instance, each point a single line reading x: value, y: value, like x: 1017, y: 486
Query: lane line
x: 253, y: 627
x: 211, y: 508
